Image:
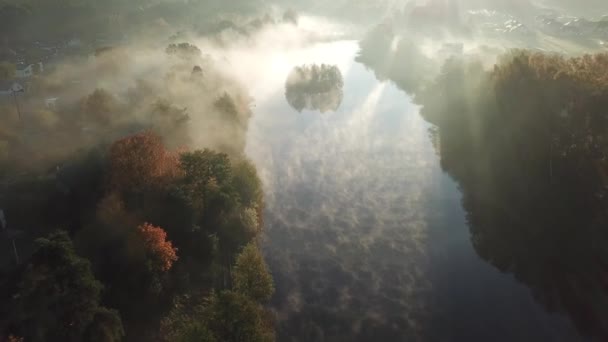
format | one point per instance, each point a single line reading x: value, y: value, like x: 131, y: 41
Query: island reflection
x: 315, y: 87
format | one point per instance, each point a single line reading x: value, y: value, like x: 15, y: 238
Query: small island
x: 315, y: 87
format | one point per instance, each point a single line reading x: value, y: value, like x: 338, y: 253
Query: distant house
x: 8, y: 87
x: 26, y: 71
x: 51, y: 103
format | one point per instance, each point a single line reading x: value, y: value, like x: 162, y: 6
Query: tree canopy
x: 526, y: 140
x: 315, y: 87
x: 161, y: 251
x: 251, y: 276
x: 152, y: 219
x: 139, y: 162
x: 56, y: 297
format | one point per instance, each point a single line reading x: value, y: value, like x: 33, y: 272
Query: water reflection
x: 348, y: 236
x: 532, y: 211
x: 396, y: 57
x: 365, y: 234
x: 536, y: 204
x: 315, y: 87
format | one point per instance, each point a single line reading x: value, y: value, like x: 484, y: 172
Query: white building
x: 51, y: 103
x: 29, y: 70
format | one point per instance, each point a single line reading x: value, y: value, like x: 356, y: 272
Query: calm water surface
x: 365, y: 234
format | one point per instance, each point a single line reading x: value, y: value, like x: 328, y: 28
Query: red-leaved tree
x: 160, y: 250
x: 140, y: 162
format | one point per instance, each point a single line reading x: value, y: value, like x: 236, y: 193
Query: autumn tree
x: 132, y: 262
x: 54, y: 296
x: 140, y: 162
x: 215, y: 210
x: 159, y: 249
x: 251, y: 276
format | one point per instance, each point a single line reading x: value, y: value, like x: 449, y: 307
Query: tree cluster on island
x: 315, y: 87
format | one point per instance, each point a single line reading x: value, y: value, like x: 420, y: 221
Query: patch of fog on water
x: 345, y: 218
x: 365, y: 235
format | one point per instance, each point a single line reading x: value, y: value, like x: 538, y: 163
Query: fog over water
x: 365, y: 234
x: 314, y: 171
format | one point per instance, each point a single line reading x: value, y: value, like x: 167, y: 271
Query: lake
x: 364, y: 233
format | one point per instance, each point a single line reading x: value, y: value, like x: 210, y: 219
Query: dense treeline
x: 107, y: 96
x: 396, y: 57
x: 26, y: 21
x: 133, y: 211
x: 152, y: 226
x: 526, y: 140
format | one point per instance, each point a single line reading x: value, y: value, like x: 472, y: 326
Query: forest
x: 141, y: 228
x: 30, y: 20
x: 116, y: 223
x: 526, y: 140
x: 130, y: 209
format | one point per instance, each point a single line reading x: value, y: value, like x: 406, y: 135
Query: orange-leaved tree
x: 140, y: 162
x: 160, y: 250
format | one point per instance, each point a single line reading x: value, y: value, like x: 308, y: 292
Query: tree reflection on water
x: 315, y: 87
